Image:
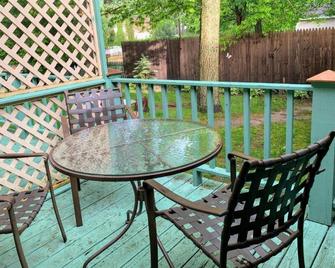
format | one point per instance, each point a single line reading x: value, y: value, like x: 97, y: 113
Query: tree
x: 157, y: 11
x: 330, y: 8
x: 119, y: 36
x: 238, y: 18
x: 209, y: 50
x: 143, y: 68
x: 242, y: 17
x: 165, y: 29
x: 130, y: 31
x: 108, y: 31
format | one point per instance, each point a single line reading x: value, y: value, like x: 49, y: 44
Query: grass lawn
x: 302, y: 122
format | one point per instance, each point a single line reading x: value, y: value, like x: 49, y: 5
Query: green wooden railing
x: 178, y: 86
x: 37, y: 116
x: 31, y: 121
x: 322, y: 202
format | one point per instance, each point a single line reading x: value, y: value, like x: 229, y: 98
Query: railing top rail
x: 93, y: 82
x: 251, y: 85
x: 19, y: 98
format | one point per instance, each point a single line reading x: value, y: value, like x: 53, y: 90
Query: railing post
x: 101, y: 42
x: 323, y: 121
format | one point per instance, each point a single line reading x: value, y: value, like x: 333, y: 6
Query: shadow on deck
x: 104, y: 206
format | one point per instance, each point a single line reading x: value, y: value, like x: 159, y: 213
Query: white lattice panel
x: 46, y: 42
x: 29, y: 127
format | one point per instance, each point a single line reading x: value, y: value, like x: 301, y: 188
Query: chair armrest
x: 132, y: 114
x: 23, y: 155
x: 65, y: 126
x: 10, y: 200
x: 241, y: 155
x: 26, y: 155
x: 48, y: 174
x: 182, y: 201
x: 232, y: 159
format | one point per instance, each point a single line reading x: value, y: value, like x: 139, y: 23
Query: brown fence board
x: 289, y: 57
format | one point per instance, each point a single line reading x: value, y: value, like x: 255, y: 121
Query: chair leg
x: 54, y: 204
x: 17, y: 240
x: 301, y: 244
x: 78, y: 182
x: 150, y: 206
x: 301, y: 251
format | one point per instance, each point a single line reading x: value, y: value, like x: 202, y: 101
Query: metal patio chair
x: 19, y: 209
x: 90, y: 108
x: 94, y: 107
x: 251, y: 220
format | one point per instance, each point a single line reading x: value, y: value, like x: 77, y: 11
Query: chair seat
x: 205, y: 231
x: 27, y: 205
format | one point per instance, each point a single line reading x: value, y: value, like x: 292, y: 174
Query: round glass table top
x: 136, y: 149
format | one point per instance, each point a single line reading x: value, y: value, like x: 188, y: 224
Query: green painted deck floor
x: 104, y: 206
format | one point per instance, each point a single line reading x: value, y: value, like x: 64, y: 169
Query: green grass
x: 302, y: 126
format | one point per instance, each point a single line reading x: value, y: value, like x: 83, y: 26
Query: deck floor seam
x: 42, y: 249
x: 143, y: 248
x: 320, y: 247
x: 166, y: 230
x: 103, y: 223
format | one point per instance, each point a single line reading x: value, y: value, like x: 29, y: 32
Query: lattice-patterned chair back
x: 271, y: 195
x: 94, y: 107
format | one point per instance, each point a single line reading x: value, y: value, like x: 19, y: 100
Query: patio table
x: 133, y: 151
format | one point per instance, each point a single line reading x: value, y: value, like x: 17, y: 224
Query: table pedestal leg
x: 125, y: 229
x: 76, y: 202
x: 140, y: 202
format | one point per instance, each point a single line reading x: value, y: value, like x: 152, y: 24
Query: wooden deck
x: 104, y: 207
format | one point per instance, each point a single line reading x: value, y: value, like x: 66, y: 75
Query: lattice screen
x: 29, y: 127
x: 45, y: 42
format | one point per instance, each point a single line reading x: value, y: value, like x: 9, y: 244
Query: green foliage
x: 331, y: 8
x: 253, y: 92
x: 236, y: 91
x: 301, y: 94
x: 109, y: 33
x: 143, y: 68
x: 130, y: 31
x: 139, y: 12
x: 164, y: 30
x: 124, y: 29
x: 238, y: 17
x: 119, y: 36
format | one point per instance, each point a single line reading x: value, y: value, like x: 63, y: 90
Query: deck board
x: 137, y: 233
x: 103, y: 209
x: 314, y: 234
x: 326, y: 254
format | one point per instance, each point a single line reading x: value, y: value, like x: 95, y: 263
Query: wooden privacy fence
x: 289, y: 57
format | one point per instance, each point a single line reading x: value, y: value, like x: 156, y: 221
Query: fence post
x: 323, y: 121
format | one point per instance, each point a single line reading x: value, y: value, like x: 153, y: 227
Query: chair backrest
x: 271, y: 195
x: 94, y: 107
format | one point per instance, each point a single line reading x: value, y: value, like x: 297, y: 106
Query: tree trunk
x: 209, y: 50
x: 240, y: 13
x: 258, y: 28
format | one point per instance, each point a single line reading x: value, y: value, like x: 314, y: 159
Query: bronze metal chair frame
x: 101, y: 110
x: 134, y: 179
x: 10, y: 201
x: 237, y: 224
